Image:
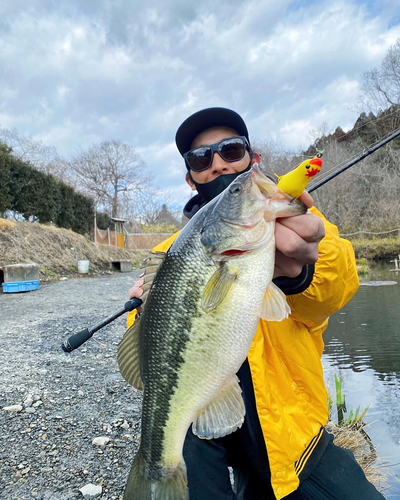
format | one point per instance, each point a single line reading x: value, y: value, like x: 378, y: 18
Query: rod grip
x: 76, y: 340
x: 81, y: 337
x: 132, y: 304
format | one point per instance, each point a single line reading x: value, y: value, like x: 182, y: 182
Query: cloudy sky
x: 80, y: 72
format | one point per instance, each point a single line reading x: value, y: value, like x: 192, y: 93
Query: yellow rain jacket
x: 285, y: 361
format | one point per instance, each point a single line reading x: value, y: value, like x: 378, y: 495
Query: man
x: 282, y: 449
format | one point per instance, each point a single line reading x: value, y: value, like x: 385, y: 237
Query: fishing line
x: 342, y: 166
x: 338, y: 165
x: 361, y: 156
x: 372, y: 120
x: 351, y: 160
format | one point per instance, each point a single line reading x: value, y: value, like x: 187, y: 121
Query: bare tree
x: 364, y: 197
x: 41, y: 156
x: 381, y: 87
x: 107, y: 171
x: 273, y: 158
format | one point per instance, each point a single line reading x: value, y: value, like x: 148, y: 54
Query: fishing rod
x: 361, y: 156
x: 77, y: 339
x: 81, y: 337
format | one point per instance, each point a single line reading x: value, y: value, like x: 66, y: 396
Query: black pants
x: 331, y: 473
x: 336, y: 476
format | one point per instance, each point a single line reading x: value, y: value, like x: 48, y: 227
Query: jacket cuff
x: 292, y: 286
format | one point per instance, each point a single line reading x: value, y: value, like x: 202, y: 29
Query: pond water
x: 362, y: 345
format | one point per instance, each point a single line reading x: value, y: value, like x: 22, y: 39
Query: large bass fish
x: 200, y: 315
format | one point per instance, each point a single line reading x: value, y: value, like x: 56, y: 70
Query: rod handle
x: 76, y: 340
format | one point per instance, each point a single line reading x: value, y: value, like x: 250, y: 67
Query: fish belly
x: 218, y: 345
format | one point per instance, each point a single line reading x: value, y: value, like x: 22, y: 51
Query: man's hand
x: 296, y: 240
x: 137, y: 291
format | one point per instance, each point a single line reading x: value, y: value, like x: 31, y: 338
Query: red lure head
x: 313, y: 171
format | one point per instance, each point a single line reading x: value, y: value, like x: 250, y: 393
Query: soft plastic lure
x: 295, y: 181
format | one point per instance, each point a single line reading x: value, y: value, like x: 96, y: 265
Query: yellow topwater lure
x: 295, y: 181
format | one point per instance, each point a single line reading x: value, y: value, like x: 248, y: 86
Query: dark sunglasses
x: 230, y: 149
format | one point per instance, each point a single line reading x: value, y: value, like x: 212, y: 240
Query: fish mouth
x: 232, y: 253
x: 266, y: 187
x: 246, y: 225
x: 249, y: 244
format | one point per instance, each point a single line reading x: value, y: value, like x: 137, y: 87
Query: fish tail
x: 172, y: 485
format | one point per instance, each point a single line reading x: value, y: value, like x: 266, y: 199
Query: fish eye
x: 235, y: 189
x: 307, y: 166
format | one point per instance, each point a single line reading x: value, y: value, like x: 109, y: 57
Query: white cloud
x: 127, y: 71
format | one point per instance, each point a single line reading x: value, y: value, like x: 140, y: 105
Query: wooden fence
x: 105, y: 237
x: 133, y: 241
x: 368, y: 234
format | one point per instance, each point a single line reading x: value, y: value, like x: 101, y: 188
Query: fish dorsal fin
x: 128, y: 356
x: 152, y: 263
x: 218, y: 287
x: 223, y: 415
x: 274, y: 306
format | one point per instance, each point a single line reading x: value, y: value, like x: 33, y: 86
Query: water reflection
x: 362, y: 344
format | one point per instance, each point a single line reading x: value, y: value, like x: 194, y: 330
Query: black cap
x: 204, y: 119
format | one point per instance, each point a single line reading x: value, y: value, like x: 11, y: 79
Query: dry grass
x: 56, y: 250
x: 6, y: 224
x: 356, y: 439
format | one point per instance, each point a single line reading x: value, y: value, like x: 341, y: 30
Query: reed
x: 350, y: 432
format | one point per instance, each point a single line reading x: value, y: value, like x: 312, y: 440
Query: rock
x: 91, y: 490
x: 125, y: 425
x: 100, y: 441
x: 26, y: 470
x: 28, y: 402
x: 30, y: 410
x: 37, y: 403
x: 13, y: 408
x: 112, y: 383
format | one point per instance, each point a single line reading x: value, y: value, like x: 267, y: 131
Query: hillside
x: 56, y: 250
x: 367, y: 131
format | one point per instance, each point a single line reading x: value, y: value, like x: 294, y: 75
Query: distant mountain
x: 368, y: 130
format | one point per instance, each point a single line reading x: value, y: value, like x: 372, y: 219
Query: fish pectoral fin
x: 128, y: 356
x: 224, y: 415
x: 218, y: 287
x: 274, y: 306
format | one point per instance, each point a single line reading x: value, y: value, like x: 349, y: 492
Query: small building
x: 119, y: 231
x: 165, y: 217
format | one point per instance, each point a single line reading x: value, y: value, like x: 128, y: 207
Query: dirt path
x: 67, y: 400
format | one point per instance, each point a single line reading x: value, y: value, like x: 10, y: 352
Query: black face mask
x: 210, y: 190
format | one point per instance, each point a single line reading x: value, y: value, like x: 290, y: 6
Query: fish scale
x: 166, y: 355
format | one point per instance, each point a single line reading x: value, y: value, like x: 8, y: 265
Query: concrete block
x: 19, y: 272
x: 124, y: 266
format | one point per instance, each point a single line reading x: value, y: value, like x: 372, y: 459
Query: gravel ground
x: 62, y: 402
